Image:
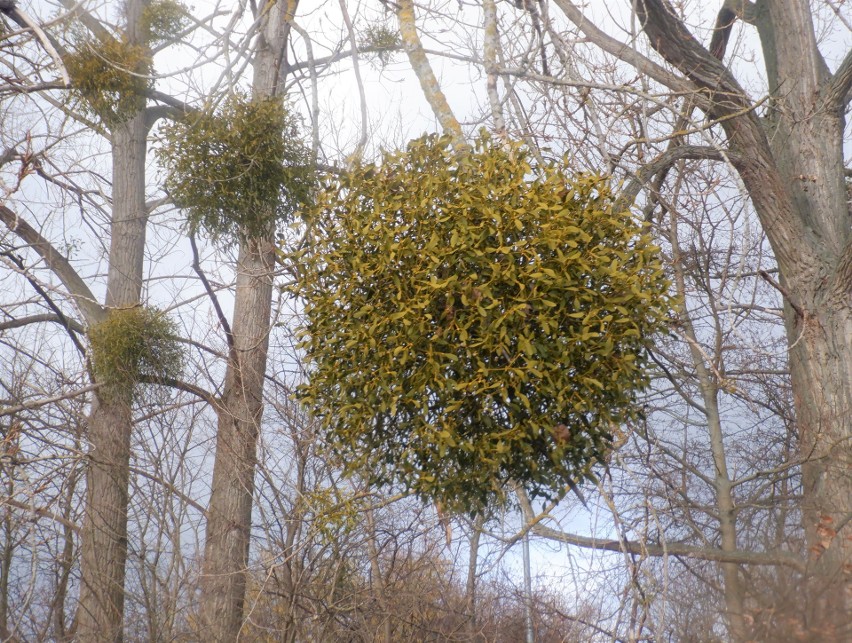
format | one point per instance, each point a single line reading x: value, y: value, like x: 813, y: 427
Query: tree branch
x: 792, y: 240
x: 627, y: 54
x: 837, y: 93
x: 42, y: 318
x: 39, y: 511
x: 784, y: 292
x: 223, y: 321
x: 86, y: 19
x: 423, y: 70
x: 58, y: 264
x: 44, y: 401
x: 678, y: 46
x: 180, y: 385
x: 534, y: 525
x: 662, y: 163
x: 338, y: 56
x: 170, y: 488
x: 22, y: 19
x: 58, y: 315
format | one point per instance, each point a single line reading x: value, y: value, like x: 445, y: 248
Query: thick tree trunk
x: 229, y: 512
x: 104, y: 533
x: 805, y: 135
x: 821, y: 371
x: 226, y: 551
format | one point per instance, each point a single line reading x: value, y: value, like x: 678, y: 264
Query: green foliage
x: 383, y: 37
x: 472, y: 320
x: 112, y: 76
x: 130, y: 344
x: 163, y: 20
x: 240, y: 170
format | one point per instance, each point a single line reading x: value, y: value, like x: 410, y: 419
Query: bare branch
x: 627, y: 54
x: 71, y: 326
x: 170, y: 488
x: 663, y: 162
x: 223, y: 321
x: 44, y: 401
x: 535, y: 526
x: 182, y: 386
x: 40, y: 511
x: 423, y: 71
x: 8, y: 7
x: 40, y: 319
x: 58, y: 264
x: 837, y: 92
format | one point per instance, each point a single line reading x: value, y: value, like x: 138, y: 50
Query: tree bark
x: 226, y: 551
x: 423, y: 70
x: 104, y: 534
x: 239, y: 415
x: 476, y: 526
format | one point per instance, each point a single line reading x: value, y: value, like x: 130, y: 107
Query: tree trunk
x: 806, y: 131
x: 7, y: 551
x: 104, y: 533
x: 229, y: 512
x: 476, y: 526
x: 226, y: 551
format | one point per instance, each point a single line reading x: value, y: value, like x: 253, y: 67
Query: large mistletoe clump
x: 472, y: 319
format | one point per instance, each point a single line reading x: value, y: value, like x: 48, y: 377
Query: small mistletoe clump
x: 382, y: 40
x: 240, y: 170
x: 112, y: 77
x: 163, y: 20
x: 132, y: 344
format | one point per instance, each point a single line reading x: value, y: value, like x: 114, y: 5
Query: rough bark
x: 104, y: 534
x: 791, y: 163
x: 226, y: 551
x: 239, y: 415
